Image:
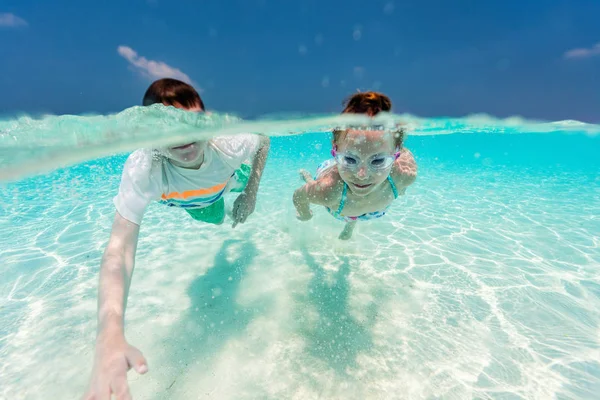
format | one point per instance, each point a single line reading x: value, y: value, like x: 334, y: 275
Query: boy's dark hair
x: 170, y: 92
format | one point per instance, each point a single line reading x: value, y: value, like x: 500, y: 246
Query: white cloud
x: 359, y: 72
x: 8, y: 20
x: 584, y: 53
x: 150, y: 68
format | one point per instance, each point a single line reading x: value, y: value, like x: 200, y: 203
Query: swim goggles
x: 376, y: 163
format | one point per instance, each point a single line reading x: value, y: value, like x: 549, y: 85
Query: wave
x: 31, y: 145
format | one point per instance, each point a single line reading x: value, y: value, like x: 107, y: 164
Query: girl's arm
x: 404, y: 171
x: 322, y: 192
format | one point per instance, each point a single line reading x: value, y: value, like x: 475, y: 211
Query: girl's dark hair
x: 170, y: 92
x: 370, y: 103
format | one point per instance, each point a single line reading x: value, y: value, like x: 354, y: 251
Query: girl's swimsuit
x: 324, y: 166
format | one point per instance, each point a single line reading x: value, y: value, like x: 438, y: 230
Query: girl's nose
x: 362, y: 172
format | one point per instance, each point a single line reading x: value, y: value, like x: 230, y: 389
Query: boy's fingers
x: 100, y: 391
x: 239, y: 216
x: 136, y: 360
x: 120, y: 388
x: 236, y: 218
x: 236, y: 205
x: 92, y: 396
x: 239, y: 219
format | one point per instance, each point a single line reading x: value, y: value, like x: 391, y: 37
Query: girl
x: 369, y: 169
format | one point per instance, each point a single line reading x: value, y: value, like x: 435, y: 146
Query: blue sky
x: 539, y: 59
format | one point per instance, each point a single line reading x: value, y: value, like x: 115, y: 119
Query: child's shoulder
x: 328, y: 185
x: 330, y: 177
x: 328, y: 174
x: 238, y: 145
x: 141, y: 160
x: 236, y: 140
x: 142, y: 165
x: 141, y: 174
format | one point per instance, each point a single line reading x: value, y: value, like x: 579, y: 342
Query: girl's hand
x: 304, y: 216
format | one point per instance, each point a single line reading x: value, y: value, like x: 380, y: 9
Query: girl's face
x: 365, y: 159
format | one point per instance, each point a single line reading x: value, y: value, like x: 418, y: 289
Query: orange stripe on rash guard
x: 194, y: 193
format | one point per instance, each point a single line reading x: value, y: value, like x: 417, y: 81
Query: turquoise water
x: 482, y: 282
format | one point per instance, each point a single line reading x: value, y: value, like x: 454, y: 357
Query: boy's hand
x: 242, y: 208
x: 114, y: 357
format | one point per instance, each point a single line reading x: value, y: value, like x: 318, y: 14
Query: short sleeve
x: 137, y: 188
x: 236, y: 149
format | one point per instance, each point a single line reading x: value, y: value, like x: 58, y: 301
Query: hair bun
x: 371, y: 103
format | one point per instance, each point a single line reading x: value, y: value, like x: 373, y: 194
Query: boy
x: 192, y: 176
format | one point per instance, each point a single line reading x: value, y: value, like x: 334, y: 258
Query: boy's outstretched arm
x: 114, y: 356
x: 246, y: 201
